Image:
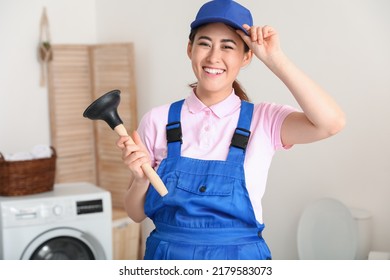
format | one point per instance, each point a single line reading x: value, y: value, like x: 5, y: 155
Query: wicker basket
x: 26, y: 177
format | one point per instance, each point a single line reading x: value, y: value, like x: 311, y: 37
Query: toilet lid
x: 327, y: 231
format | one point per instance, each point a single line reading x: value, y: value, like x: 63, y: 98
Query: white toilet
x: 328, y: 230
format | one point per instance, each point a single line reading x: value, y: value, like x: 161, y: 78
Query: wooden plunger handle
x: 147, y: 169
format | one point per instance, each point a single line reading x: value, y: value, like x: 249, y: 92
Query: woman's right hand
x: 134, y: 155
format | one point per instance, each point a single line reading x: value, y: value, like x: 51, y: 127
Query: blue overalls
x: 207, y: 214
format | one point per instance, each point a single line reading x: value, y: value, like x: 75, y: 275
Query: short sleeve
x: 270, y: 117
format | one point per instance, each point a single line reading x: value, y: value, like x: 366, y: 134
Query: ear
x: 247, y: 58
x: 189, y: 49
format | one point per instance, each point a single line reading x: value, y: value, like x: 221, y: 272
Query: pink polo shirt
x: 207, y: 133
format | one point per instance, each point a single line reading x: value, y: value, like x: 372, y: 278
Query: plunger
x: 105, y: 108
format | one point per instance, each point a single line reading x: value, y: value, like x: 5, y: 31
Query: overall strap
x: 173, y: 129
x: 241, y: 134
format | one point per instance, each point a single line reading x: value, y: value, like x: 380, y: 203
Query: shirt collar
x: 221, y: 109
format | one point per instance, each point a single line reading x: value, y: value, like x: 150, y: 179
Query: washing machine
x: 71, y: 222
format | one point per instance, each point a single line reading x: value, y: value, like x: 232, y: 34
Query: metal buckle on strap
x: 174, y: 133
x: 240, y: 138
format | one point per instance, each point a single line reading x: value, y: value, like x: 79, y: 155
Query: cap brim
x: 200, y: 22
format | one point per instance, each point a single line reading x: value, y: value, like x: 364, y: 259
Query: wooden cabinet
x: 125, y: 236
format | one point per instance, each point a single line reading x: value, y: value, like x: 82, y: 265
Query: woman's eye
x: 228, y: 47
x: 204, y: 44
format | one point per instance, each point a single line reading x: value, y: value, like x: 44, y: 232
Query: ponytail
x: 239, y: 91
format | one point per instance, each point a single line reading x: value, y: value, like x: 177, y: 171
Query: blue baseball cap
x: 225, y: 11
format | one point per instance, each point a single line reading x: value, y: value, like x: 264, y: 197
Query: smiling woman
x: 216, y: 177
x: 217, y: 54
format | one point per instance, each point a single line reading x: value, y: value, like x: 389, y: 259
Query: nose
x: 214, y: 55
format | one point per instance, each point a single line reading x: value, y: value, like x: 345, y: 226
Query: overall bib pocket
x: 206, y: 185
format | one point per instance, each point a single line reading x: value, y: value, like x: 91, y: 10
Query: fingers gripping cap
x: 225, y: 11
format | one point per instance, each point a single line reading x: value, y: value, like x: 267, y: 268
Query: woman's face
x: 217, y: 55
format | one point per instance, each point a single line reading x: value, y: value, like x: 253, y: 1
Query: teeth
x: 213, y: 71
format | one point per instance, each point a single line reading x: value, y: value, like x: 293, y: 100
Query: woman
x: 213, y: 149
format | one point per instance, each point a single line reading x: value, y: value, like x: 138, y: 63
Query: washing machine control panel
x: 58, y: 210
x: 31, y: 213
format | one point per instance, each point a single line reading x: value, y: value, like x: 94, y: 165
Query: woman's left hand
x: 262, y: 40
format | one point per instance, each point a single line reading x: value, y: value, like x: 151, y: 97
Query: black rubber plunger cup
x: 106, y: 108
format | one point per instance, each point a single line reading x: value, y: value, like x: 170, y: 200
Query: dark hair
x: 238, y: 89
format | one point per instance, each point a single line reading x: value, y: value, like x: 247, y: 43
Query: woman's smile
x: 213, y: 71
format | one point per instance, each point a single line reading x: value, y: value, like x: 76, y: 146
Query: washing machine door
x: 64, y: 244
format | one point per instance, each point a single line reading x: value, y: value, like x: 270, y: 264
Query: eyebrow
x: 223, y: 40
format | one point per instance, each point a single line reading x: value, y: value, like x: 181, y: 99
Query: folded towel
x: 18, y: 156
x: 37, y: 152
x: 41, y: 151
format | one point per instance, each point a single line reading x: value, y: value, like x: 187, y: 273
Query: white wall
x: 24, y: 111
x: 342, y: 44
